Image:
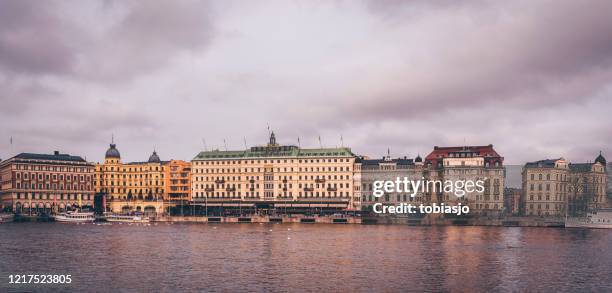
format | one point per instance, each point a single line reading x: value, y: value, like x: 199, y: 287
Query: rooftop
x: 56, y: 156
x: 547, y: 163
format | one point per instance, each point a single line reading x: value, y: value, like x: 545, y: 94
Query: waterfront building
x: 273, y: 177
x: 468, y: 163
x: 556, y: 187
x: 35, y: 183
x: 587, y: 187
x: 133, y: 186
x: 546, y: 187
x: 178, y: 183
x: 512, y: 201
x: 389, y: 169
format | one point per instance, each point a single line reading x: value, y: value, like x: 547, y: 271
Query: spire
x: 272, y: 138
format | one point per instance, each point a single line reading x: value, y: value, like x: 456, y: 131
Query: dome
x: 112, y: 152
x: 600, y: 159
x: 418, y: 159
x: 154, y: 158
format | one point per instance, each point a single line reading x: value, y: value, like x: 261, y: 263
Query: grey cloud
x: 530, y: 77
x: 129, y: 39
x: 33, y: 40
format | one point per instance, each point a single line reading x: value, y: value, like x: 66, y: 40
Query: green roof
x: 274, y: 151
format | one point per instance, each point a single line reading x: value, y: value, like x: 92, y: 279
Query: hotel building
x: 388, y: 169
x: 134, y: 186
x: 274, y: 177
x: 32, y: 183
x: 468, y: 163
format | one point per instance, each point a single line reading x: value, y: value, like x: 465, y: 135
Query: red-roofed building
x: 490, y: 156
x: 474, y: 163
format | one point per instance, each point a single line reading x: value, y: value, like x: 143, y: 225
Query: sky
x: 533, y: 78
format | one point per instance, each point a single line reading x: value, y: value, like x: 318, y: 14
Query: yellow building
x: 545, y: 187
x: 272, y: 177
x: 588, y: 182
x: 136, y: 186
x: 556, y: 187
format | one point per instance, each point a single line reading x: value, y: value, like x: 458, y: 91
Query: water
x: 303, y: 257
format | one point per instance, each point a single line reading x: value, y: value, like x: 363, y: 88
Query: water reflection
x: 283, y: 257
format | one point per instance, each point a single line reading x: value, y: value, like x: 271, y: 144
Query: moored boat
x: 5, y: 218
x: 75, y: 217
x: 126, y: 218
x: 601, y: 218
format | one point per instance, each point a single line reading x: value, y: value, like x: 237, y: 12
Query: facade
x: 178, y: 181
x: 35, y: 183
x: 271, y: 177
x: 546, y: 187
x: 587, y: 188
x: 131, y: 187
x: 468, y: 163
x: 556, y: 187
x: 388, y: 169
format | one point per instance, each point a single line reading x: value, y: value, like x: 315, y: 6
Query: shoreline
x: 364, y: 220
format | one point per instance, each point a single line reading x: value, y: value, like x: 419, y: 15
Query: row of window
x: 53, y: 196
x: 53, y: 186
x: 271, y: 178
x: 279, y: 170
x: 54, y: 168
x: 54, y: 177
x: 126, y: 169
x: 255, y: 194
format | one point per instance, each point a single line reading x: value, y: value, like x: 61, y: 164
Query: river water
x: 306, y: 257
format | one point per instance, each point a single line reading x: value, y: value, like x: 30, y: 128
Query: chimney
x: 56, y: 153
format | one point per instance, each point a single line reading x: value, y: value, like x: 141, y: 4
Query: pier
x: 261, y: 219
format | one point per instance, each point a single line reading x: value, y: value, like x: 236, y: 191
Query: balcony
x: 332, y: 189
x: 320, y: 180
x: 308, y: 189
x: 220, y: 181
x: 209, y: 189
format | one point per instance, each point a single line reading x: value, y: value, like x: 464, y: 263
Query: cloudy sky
x: 534, y: 78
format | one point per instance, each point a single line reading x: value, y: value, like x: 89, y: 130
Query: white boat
x: 126, y: 218
x: 601, y: 218
x: 75, y: 217
x: 5, y: 218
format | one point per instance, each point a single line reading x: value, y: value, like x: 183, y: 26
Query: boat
x: 75, y: 217
x: 5, y: 218
x: 126, y: 218
x: 601, y: 218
